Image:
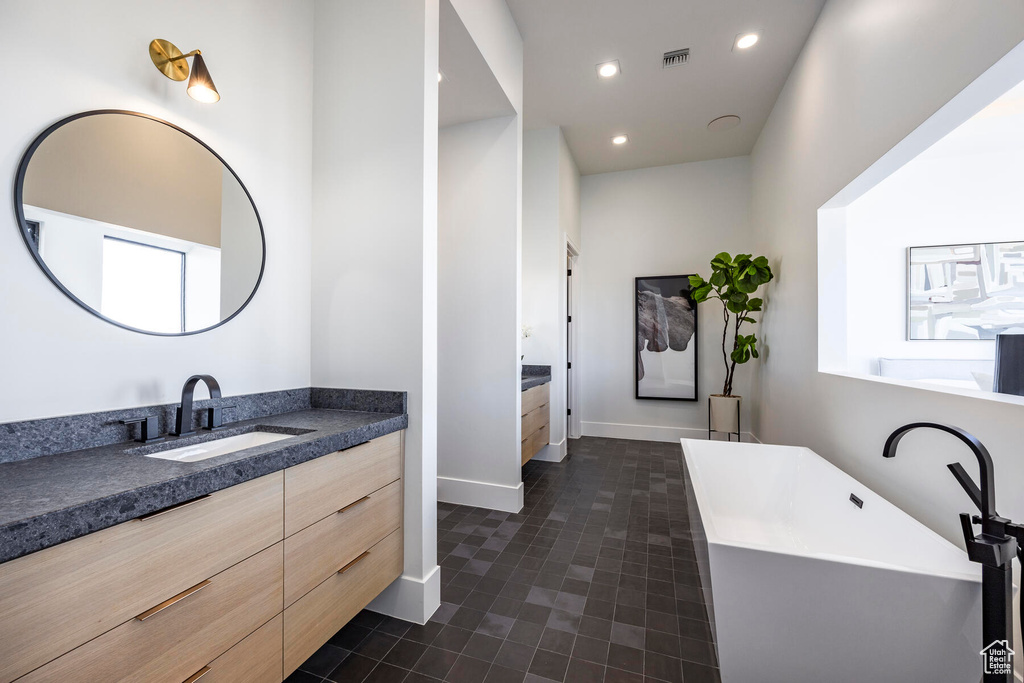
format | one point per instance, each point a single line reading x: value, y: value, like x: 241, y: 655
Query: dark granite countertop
x: 535, y: 375
x: 50, y: 499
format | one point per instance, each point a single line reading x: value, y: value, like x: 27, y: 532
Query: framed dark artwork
x: 665, y: 323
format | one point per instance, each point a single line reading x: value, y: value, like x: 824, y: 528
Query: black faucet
x: 994, y: 548
x: 183, y: 415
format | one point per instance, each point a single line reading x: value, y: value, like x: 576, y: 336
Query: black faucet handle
x: 215, y: 417
x: 149, y: 428
x: 985, y: 549
x: 967, y: 527
x: 966, y: 483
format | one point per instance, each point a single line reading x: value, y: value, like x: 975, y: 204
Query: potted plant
x: 733, y: 281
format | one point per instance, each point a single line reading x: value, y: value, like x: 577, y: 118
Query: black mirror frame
x: 25, y: 230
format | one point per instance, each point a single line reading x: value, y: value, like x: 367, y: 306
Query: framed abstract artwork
x: 965, y: 291
x: 665, y: 326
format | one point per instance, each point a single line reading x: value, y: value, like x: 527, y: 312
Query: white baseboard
x: 480, y: 494
x: 612, y: 430
x: 409, y: 598
x: 553, y: 452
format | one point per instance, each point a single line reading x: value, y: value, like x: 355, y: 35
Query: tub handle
x: 856, y: 501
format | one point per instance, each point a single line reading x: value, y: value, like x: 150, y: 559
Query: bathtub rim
x: 714, y: 538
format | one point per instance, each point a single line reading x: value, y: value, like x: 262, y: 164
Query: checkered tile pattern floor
x: 594, y: 580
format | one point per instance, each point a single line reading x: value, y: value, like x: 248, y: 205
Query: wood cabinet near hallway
x: 536, y: 420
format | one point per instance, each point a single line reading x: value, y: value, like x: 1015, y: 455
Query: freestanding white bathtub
x: 803, y: 585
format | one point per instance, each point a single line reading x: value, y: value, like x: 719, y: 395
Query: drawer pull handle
x: 197, y: 675
x: 170, y: 601
x: 353, y: 562
x: 352, y: 505
x: 171, y: 508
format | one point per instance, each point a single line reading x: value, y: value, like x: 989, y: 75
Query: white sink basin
x: 215, y: 447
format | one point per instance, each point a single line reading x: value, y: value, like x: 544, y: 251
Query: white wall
x: 478, y: 315
x: 541, y: 253
x: 261, y: 127
x: 551, y: 213
x: 568, y: 192
x: 669, y: 220
x: 845, y: 104
x: 479, y: 293
x: 375, y: 241
x: 496, y: 35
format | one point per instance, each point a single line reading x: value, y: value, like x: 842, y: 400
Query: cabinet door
x: 321, y: 487
x: 174, y: 640
x: 257, y: 659
x: 59, y: 598
x: 535, y: 419
x: 320, y: 613
x: 321, y: 549
x: 535, y: 397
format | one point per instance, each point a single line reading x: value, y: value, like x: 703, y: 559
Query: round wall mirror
x: 139, y: 222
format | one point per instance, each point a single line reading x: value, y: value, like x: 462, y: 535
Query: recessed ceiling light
x: 440, y: 76
x: 620, y: 139
x: 608, y: 69
x: 724, y: 123
x: 746, y: 40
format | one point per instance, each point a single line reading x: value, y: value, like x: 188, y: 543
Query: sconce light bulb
x: 200, y: 85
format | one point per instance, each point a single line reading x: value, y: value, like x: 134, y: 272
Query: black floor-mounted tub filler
x: 994, y: 549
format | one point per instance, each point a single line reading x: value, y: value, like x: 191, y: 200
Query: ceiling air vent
x: 675, y: 58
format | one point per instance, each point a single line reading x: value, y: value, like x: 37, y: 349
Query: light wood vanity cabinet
x: 200, y: 590
x: 178, y: 641
x: 56, y: 599
x: 536, y: 420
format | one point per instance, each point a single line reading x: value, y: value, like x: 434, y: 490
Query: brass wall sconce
x: 170, y: 61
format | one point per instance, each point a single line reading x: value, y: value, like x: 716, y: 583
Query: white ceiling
x: 469, y: 91
x: 664, y: 112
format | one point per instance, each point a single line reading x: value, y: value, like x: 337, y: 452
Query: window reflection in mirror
x: 143, y: 283
x: 140, y: 223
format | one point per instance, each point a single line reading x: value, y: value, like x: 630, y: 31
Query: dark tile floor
x: 593, y: 581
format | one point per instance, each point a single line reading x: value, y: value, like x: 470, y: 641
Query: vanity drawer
x: 535, y: 442
x: 257, y: 659
x: 323, y: 486
x: 534, y: 420
x: 321, y: 549
x: 56, y: 599
x: 190, y: 630
x: 320, y: 613
x: 535, y: 397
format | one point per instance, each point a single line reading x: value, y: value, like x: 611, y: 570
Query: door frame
x: 571, y: 308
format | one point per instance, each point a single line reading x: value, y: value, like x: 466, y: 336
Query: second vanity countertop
x: 50, y: 499
x: 535, y: 375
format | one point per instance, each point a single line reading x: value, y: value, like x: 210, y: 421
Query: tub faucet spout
x: 985, y: 498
